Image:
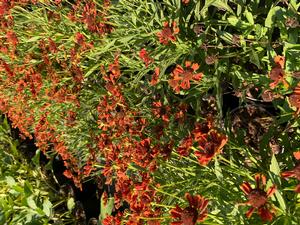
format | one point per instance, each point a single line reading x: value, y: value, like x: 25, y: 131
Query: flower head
x: 168, y: 33
x: 294, y: 98
x: 295, y: 173
x: 145, y: 57
x: 195, y: 212
x: 210, y: 144
x: 181, y: 77
x: 277, y: 73
x: 258, y: 197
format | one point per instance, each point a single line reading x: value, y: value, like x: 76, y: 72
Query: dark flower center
x: 189, y: 216
x: 257, y: 198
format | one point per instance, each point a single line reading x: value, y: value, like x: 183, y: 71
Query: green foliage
x: 92, y: 99
x: 25, y: 194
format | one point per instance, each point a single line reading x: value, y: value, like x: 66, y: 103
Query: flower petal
x: 265, y: 214
x: 297, y: 155
x: 250, y: 212
x: 246, y: 188
x: 297, y: 189
x: 271, y: 191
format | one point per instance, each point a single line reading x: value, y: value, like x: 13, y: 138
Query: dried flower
x: 198, y: 29
x: 292, y: 22
x: 211, y: 59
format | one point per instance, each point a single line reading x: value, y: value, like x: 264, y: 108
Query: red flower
x: 195, y: 212
x: 295, y: 173
x: 210, y: 144
x: 112, y: 220
x: 168, y: 33
x: 155, y: 76
x: 277, y: 73
x: 185, y: 1
x: 145, y: 57
x: 294, y: 98
x: 185, y: 146
x: 181, y: 78
x: 258, y: 198
x: 79, y: 38
x: 12, y: 38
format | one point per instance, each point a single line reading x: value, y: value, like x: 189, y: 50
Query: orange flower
x: 145, y: 57
x: 181, y: 78
x: 168, y: 33
x: 210, y: 144
x: 258, y: 198
x: 277, y: 73
x: 295, y: 173
x: 294, y: 98
x: 195, y: 212
x: 155, y: 76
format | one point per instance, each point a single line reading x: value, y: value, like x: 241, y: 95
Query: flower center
x: 257, y: 198
x: 189, y: 216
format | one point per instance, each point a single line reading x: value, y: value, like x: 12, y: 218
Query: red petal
x: 177, y: 212
x: 265, y: 214
x: 195, y: 66
x: 203, y: 206
x: 297, y: 155
x: 189, y: 197
x: 250, y: 212
x: 297, y: 189
x: 188, y: 63
x: 288, y: 174
x: 271, y: 190
x: 246, y: 188
x: 202, y: 216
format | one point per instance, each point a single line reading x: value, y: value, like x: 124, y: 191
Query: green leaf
x: 106, y: 209
x: 70, y: 204
x: 217, y: 3
x: 274, y: 167
x: 222, y: 5
x: 249, y: 17
x: 10, y: 180
x: 269, y: 22
x: 280, y: 200
x: 47, y: 207
x: 28, y: 189
x: 218, y: 170
x: 236, y: 22
x: 254, y: 58
x: 36, y: 158
x: 30, y: 202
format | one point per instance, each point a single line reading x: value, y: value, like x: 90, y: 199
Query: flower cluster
x: 209, y: 142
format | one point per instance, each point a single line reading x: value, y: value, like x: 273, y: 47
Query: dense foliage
x: 189, y: 108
